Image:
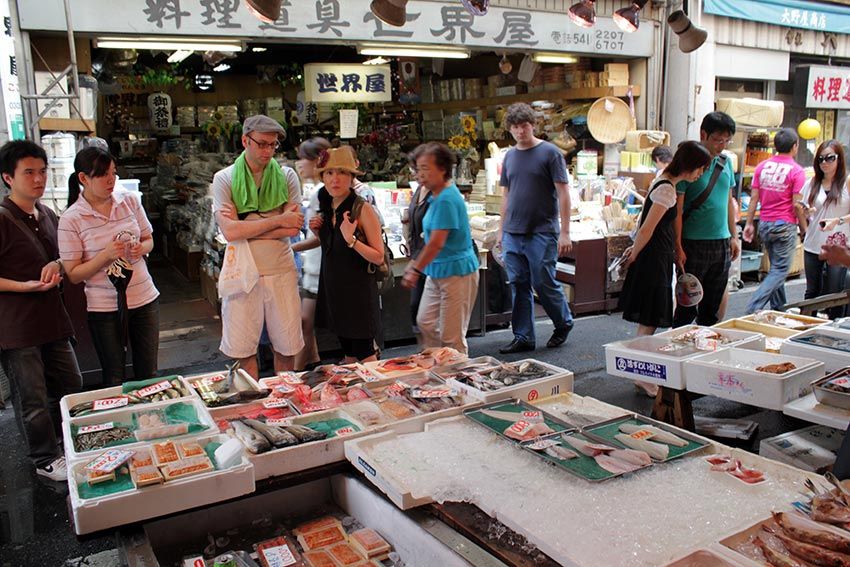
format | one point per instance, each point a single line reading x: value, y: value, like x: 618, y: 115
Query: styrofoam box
x: 194, y: 378
x: 71, y: 400
x: 832, y: 359
x: 125, y: 415
x: 714, y: 555
x: 561, y: 381
x: 812, y: 448
x: 774, y: 336
x: 736, y: 337
x: 91, y: 515
x: 716, y: 374
x: 639, y: 358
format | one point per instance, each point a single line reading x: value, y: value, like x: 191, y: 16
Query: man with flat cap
x: 257, y: 200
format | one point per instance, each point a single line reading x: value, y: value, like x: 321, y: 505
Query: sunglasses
x: 827, y: 158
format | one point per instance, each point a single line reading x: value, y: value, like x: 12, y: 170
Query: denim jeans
x: 40, y: 376
x: 780, y: 241
x: 530, y: 261
x: 143, y: 339
x: 823, y: 279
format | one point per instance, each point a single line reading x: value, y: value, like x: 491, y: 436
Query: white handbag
x: 239, y: 273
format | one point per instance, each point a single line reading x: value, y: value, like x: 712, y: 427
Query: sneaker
x: 559, y: 337
x: 55, y: 470
x: 517, y: 345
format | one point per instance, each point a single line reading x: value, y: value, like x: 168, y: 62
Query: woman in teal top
x: 448, y: 259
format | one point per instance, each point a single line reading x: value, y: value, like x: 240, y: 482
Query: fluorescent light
x: 259, y: 49
x: 554, y: 58
x: 167, y: 44
x: 398, y: 51
x: 221, y: 67
x: 376, y: 61
x: 179, y: 55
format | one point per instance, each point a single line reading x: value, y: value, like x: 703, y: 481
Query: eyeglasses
x: 720, y: 141
x: 265, y: 145
x: 829, y: 158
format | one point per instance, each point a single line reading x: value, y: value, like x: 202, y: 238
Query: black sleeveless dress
x: 647, y: 296
x: 347, y: 291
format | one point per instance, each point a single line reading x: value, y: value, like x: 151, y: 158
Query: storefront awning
x: 801, y: 14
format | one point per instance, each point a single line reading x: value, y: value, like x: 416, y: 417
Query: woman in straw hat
x: 350, y: 242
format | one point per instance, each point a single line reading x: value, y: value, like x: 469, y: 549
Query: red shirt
x: 34, y: 318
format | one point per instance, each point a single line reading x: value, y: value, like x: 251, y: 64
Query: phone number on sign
x: 600, y: 39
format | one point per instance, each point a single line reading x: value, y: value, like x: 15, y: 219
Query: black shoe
x: 517, y: 345
x: 559, y: 337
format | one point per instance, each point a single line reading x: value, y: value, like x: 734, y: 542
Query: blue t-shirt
x: 530, y: 176
x: 448, y: 212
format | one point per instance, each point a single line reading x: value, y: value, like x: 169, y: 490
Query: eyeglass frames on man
x: 265, y: 145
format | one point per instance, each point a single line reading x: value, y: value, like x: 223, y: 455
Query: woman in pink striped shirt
x: 103, y: 225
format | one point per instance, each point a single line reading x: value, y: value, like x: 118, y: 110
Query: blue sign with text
x: 641, y: 368
x: 816, y: 16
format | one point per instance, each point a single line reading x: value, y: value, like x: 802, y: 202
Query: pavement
x: 34, y: 525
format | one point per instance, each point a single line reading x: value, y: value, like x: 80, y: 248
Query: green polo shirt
x: 711, y: 220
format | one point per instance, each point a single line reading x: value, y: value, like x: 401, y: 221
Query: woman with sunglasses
x: 828, y: 201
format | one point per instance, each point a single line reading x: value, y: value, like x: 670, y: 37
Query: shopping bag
x: 239, y: 273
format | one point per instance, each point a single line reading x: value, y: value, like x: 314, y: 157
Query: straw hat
x: 608, y: 120
x: 337, y: 158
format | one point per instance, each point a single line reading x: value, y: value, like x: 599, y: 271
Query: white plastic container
x: 71, y: 400
x: 730, y: 374
x: 94, y: 514
x: 559, y: 382
x: 833, y: 359
x: 734, y: 337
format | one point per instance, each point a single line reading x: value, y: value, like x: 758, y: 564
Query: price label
x: 276, y: 403
x: 706, y: 344
x: 396, y: 389
x: 426, y: 394
x: 292, y: 380
x: 543, y: 444
x: 367, y: 375
x: 284, y: 389
x: 110, y: 403
x: 521, y: 427
x: 154, y: 388
x: 207, y: 381
x: 279, y: 556
x: 100, y: 427
x: 344, y: 431
x: 641, y: 434
x: 109, y: 461
x: 841, y: 382
x: 278, y: 421
x: 531, y: 415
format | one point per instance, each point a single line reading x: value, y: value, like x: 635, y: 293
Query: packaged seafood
x: 397, y: 408
x: 96, y: 477
x: 834, y: 389
x: 109, y: 434
x: 156, y: 424
x: 165, y: 453
x: 321, y: 537
x: 345, y: 555
x: 319, y: 558
x: 278, y: 552
x: 317, y: 524
x: 186, y: 467
x: 190, y: 449
x: 370, y: 543
x: 367, y: 413
x: 145, y: 476
x: 129, y: 394
x: 141, y: 458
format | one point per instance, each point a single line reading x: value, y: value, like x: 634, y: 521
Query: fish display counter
x: 627, y: 490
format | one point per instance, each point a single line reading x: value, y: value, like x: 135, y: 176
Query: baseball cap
x: 262, y: 123
x: 688, y: 290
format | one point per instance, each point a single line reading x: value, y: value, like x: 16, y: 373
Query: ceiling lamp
x: 628, y: 19
x: 264, y: 10
x: 168, y: 44
x: 554, y: 58
x: 691, y: 37
x: 583, y: 13
x: 392, y: 12
x: 179, y: 55
x: 505, y: 65
x: 476, y: 7
x: 412, y: 51
x: 376, y: 61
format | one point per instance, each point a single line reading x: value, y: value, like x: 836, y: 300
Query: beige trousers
x: 445, y: 309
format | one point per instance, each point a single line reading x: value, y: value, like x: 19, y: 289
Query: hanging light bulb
x: 264, y: 10
x: 505, y: 65
x: 691, y: 37
x: 392, y: 12
x: 628, y: 19
x: 583, y: 13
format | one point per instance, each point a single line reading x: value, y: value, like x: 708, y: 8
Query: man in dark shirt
x: 536, y: 194
x: 35, y: 330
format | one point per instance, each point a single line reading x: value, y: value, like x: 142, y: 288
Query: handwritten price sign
x: 110, y: 403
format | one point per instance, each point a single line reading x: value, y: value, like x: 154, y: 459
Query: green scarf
x: 273, y: 193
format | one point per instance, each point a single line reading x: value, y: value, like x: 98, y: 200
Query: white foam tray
x: 95, y: 514
x: 71, y: 400
x: 832, y: 359
x: 561, y: 381
x: 809, y: 409
x: 715, y: 374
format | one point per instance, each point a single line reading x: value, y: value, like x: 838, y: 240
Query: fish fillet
x: 639, y: 458
x: 561, y: 453
x: 657, y: 451
x: 529, y: 416
x: 657, y: 434
x: 614, y: 465
x: 587, y: 448
x: 525, y: 431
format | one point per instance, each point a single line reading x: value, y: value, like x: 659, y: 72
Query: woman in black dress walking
x: 347, y: 287
x: 647, y: 296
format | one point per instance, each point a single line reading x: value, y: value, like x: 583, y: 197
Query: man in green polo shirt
x: 706, y: 235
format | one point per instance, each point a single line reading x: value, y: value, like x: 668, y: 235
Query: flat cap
x: 262, y: 123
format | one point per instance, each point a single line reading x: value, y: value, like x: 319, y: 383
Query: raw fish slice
x: 657, y: 451
x: 587, y: 448
x: 631, y: 456
x: 803, y: 529
x: 614, y: 465
x: 525, y: 431
x: 561, y: 453
x: 657, y: 434
x: 529, y: 416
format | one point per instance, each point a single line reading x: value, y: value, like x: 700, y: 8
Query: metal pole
x: 72, y: 46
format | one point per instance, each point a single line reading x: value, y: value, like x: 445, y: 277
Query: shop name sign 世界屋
x: 801, y: 14
x: 828, y: 87
x: 329, y: 82
x: 444, y: 22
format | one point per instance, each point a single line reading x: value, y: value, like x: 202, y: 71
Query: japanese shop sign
x: 347, y: 83
x: 444, y: 23
x: 159, y: 107
x: 828, y: 87
x: 802, y: 14
x: 9, y: 78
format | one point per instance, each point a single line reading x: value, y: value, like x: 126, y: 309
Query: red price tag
x: 110, y: 403
x: 344, y: 431
x: 278, y: 421
x: 100, y: 427
x: 841, y: 382
x: 154, y: 388
x: 109, y: 461
x: 531, y: 414
x: 275, y: 403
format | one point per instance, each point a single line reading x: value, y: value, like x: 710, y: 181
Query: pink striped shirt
x: 84, y: 232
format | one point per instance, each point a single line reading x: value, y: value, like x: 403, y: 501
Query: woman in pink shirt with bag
x: 104, y: 236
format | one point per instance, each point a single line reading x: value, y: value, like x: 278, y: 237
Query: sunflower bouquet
x: 464, y: 142
x: 218, y: 131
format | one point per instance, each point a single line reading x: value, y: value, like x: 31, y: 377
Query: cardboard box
x: 617, y: 68
x: 753, y: 111
x: 812, y: 448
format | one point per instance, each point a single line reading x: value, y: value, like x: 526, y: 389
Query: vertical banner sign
x: 159, y: 107
x: 829, y: 87
x: 408, y: 81
x: 9, y: 77
x: 329, y: 82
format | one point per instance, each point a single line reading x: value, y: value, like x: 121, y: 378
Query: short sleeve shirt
x: 84, y: 233
x: 778, y: 179
x: 530, y: 176
x: 448, y: 212
x: 711, y: 220
x: 270, y: 256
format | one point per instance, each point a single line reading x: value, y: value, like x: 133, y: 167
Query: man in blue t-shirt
x: 706, y: 232
x: 536, y: 193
